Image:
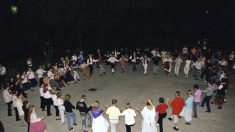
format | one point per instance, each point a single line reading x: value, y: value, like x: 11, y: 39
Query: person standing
x: 2, y: 76
x: 187, y: 67
x: 209, y: 93
x: 90, y: 62
x: 177, y: 106
x: 122, y: 62
x: 113, y: 61
x: 84, y: 112
x: 161, y: 109
x: 167, y: 64
x: 19, y: 106
x: 69, y: 111
x: 14, y: 99
x: 61, y: 107
x: 178, y: 62
x: 133, y: 59
x: 196, y: 100
x: 145, y: 60
x: 36, y: 124
x: 99, y: 124
x: 197, y: 69
x: 129, y: 117
x: 100, y: 65
x: 55, y: 103
x: 40, y: 72
x: 47, y: 98
x: 187, y: 111
x: 148, y: 113
x: 114, y: 114
x: 8, y: 99
x: 156, y: 59
x: 31, y: 77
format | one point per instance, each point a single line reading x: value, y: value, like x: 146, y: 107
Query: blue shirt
x: 189, y: 103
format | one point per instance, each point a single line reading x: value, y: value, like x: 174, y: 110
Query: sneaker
x: 70, y: 129
x: 175, y: 128
x: 187, y: 123
x: 195, y: 117
x: 75, y: 124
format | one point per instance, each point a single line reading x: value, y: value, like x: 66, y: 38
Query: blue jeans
x: 206, y: 100
x: 195, y: 104
x: 197, y: 73
x: 85, y: 117
x: 69, y: 115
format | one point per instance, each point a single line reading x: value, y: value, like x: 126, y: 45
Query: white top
x: 47, y: 95
x: 198, y: 65
x: 50, y: 75
x: 19, y: 105
x: 112, y: 60
x: 129, y: 116
x: 223, y: 63
x: 60, y: 102
x: 14, y: 99
x: 41, y: 91
x: 2, y: 70
x: 24, y: 79
x: 34, y: 118
x: 187, y: 62
x: 40, y: 73
x: 30, y: 75
x: 74, y: 58
x: 231, y: 57
x: 55, y: 100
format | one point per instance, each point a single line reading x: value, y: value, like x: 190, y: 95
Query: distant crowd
x: 50, y: 78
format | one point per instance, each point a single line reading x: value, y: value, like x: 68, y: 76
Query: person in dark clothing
x: 26, y: 115
x: 1, y: 127
x: 69, y: 111
x: 84, y: 112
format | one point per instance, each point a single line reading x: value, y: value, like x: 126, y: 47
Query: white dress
x: 100, y: 124
x: 148, y: 122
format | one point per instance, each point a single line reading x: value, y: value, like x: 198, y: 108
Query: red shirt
x: 161, y: 108
x: 177, y: 105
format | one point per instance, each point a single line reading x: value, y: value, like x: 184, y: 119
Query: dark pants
x: 206, y: 100
x: 9, y: 108
x: 48, y: 104
x: 91, y: 69
x: 16, y: 114
x: 128, y: 127
x: 2, y: 81
x: 160, y: 121
x: 40, y: 82
x: 134, y: 66
x: 33, y: 82
x: 195, y: 104
x: 42, y: 103
x: 56, y: 110
x: 207, y: 73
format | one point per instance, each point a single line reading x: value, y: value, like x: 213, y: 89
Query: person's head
x: 161, y: 100
x: 96, y: 104
x: 196, y: 86
x: 114, y: 102
x: 83, y: 97
x: 177, y: 93
x: 128, y: 105
x: 149, y: 103
x: 67, y: 97
x: 189, y: 93
x: 59, y: 94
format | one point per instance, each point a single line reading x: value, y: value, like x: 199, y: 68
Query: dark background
x: 81, y: 24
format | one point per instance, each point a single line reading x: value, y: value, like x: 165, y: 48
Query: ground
x: 135, y: 88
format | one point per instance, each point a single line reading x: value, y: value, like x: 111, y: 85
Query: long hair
x: 31, y: 107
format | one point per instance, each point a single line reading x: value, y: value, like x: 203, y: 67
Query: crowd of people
x: 51, y: 77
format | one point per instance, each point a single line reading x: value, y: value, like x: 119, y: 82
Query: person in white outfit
x: 113, y: 61
x: 129, y: 117
x: 149, y: 114
x: 61, y: 107
x: 145, y: 60
x: 114, y: 114
x: 19, y: 106
x: 187, y: 67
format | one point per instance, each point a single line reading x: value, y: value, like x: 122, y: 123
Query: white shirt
x: 74, y: 58
x: 34, y: 118
x: 2, y: 70
x: 129, y: 116
x: 19, y: 105
x: 55, y: 100
x: 24, y: 79
x: 41, y: 91
x: 187, y: 62
x: 60, y: 102
x: 47, y: 95
x: 14, y: 99
x: 30, y: 74
x: 40, y: 73
x: 112, y: 60
x: 198, y: 65
x: 50, y: 75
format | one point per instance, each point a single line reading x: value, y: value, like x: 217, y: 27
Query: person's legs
x: 208, y: 103
x: 84, y: 125
x: 203, y: 101
x: 128, y: 128
x: 74, y: 118
x: 9, y: 108
x: 61, y: 114
x: 16, y: 114
x: 175, y: 117
x: 48, y: 104
x: 69, y: 120
x: 113, y: 124
x: 195, y: 104
x: 160, y: 121
x: 56, y: 111
x: 134, y: 66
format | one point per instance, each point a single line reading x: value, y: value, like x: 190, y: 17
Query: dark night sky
x: 115, y: 23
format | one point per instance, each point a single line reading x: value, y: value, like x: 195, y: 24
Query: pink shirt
x: 197, y: 95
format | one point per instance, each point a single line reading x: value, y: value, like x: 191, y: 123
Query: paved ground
x: 135, y: 88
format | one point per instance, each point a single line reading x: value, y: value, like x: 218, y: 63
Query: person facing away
x: 114, y: 114
x: 129, y: 117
